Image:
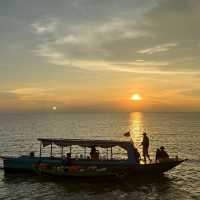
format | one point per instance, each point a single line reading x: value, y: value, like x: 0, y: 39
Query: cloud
x: 82, y: 49
x: 68, y: 39
x: 171, y: 20
x: 138, y: 66
x: 28, y: 91
x: 31, y: 99
x: 7, y: 95
x: 25, y: 94
x: 99, y: 45
x: 56, y: 57
x: 31, y: 93
x: 45, y: 51
x: 48, y: 26
x: 195, y: 92
x: 157, y: 49
x: 149, y: 41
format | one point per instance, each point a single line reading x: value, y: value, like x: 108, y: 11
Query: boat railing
x: 77, y: 152
x: 80, y: 157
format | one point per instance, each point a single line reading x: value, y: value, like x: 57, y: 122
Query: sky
x: 92, y: 56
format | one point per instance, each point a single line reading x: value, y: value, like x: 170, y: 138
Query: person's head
x: 157, y: 150
x: 93, y: 148
x: 162, y: 148
x: 68, y: 155
x: 32, y: 153
x: 144, y: 134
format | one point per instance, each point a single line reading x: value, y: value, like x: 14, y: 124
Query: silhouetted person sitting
x: 163, y: 155
x: 32, y: 154
x: 66, y: 160
x: 145, y: 145
x: 68, y: 155
x: 137, y: 155
x: 157, y: 155
x: 94, y: 154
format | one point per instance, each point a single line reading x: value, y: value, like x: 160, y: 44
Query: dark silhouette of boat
x: 87, y: 166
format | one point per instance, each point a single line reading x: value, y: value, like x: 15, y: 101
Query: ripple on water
x: 178, y: 132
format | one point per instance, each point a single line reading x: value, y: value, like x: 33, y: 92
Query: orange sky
x: 92, y: 56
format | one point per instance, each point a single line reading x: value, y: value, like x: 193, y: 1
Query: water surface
x: 178, y: 132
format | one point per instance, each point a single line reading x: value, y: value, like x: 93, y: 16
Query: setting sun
x: 54, y: 108
x: 136, y: 97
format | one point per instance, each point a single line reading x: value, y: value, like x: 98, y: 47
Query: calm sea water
x: 178, y: 132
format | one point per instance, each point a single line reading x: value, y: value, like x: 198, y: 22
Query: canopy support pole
x: 107, y: 153
x: 70, y: 149
x: 40, y: 150
x: 85, y: 152
x: 61, y: 151
x: 51, y: 150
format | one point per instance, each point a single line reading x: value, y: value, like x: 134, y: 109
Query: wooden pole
x: 85, y: 152
x: 40, y: 149
x: 107, y: 154
x: 61, y: 151
x: 70, y: 150
x: 51, y: 150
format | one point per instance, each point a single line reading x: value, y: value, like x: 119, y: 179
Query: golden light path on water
x: 136, y: 125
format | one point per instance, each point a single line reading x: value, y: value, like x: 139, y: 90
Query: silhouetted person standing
x: 137, y: 155
x: 145, y: 145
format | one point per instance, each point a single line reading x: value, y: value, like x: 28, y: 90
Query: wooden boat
x: 105, y: 169
x: 87, y: 166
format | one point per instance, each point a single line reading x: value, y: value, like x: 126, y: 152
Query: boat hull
x: 116, y: 170
x: 24, y: 163
x: 85, y: 168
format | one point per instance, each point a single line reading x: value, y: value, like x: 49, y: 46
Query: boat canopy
x: 83, y: 142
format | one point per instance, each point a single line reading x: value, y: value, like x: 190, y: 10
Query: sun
x: 54, y: 108
x: 136, y: 97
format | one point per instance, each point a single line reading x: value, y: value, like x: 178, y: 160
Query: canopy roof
x: 83, y: 142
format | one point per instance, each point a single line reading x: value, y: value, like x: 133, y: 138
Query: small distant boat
x: 87, y: 166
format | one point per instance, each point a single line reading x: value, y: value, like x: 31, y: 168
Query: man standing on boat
x: 145, y: 145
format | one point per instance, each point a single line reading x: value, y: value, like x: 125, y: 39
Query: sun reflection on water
x: 136, y: 125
